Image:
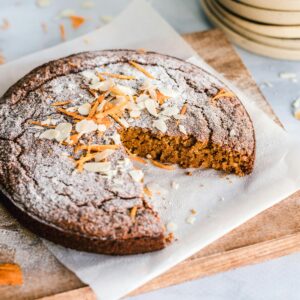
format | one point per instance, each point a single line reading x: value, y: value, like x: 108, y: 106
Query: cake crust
x: 91, y: 212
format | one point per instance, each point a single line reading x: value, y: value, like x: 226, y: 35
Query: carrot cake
x: 72, y: 128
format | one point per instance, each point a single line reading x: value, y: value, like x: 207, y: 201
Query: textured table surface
x: 277, y: 279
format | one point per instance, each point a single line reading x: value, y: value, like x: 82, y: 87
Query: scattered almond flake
x: 101, y: 105
x: 160, y: 125
x: 50, y: 134
x: 64, y: 130
x: 137, y: 175
x: 182, y: 129
x: 287, y: 75
x: 130, y: 120
x: 116, y: 138
x: 149, y: 156
x: 175, y: 185
x: 76, y: 21
x: 5, y: 24
x: 43, y: 3
x: 106, y: 19
x: 86, y: 126
x: 72, y: 109
x: 126, y: 90
x: 151, y: 106
x: 87, y: 4
x: 66, y: 13
x: 84, y: 109
x: 102, y: 127
x: 102, y: 86
x: 135, y: 114
x: 97, y: 167
x: 48, y: 121
x: 170, y: 111
x: 190, y: 219
x: 104, y: 154
x: 171, y: 227
x: 90, y: 75
x: 62, y: 32
x: 123, y: 122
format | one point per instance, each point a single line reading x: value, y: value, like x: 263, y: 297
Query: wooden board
x: 271, y: 234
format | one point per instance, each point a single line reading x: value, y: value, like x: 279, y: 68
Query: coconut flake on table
x: 97, y: 167
x: 86, y: 126
x: 84, y: 109
x: 137, y: 175
x: 160, y: 125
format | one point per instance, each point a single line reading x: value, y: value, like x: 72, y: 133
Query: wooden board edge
x: 204, y: 266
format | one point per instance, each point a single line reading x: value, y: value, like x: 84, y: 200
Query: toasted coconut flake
x: 141, y: 69
x: 84, y: 109
x: 118, y: 76
x: 97, y: 148
x: 62, y: 32
x: 61, y: 103
x: 162, y: 166
x: 160, y: 125
x: 137, y: 175
x: 161, y: 98
x: 133, y: 212
x: 183, y: 109
x: 97, y: 167
x: 76, y: 21
x: 86, y: 126
x: 70, y: 114
x: 38, y: 123
x: 221, y: 94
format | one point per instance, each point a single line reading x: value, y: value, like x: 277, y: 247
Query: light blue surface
x: 277, y: 279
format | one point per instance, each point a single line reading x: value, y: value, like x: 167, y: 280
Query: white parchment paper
x: 222, y: 203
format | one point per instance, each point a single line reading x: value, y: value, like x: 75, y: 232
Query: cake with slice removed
x: 71, y: 129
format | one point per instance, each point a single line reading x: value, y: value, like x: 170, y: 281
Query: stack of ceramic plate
x: 267, y: 27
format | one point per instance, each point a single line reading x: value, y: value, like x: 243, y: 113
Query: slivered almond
x: 162, y: 166
x: 141, y: 69
x: 97, y: 148
x: 133, y: 212
x: 183, y: 109
x: 70, y: 114
x: 222, y: 93
x: 61, y: 103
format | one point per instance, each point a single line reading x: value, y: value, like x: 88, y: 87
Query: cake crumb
x: 189, y: 173
x: 190, y: 219
x: 193, y: 211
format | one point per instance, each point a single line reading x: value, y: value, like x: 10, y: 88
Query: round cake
x: 71, y: 129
